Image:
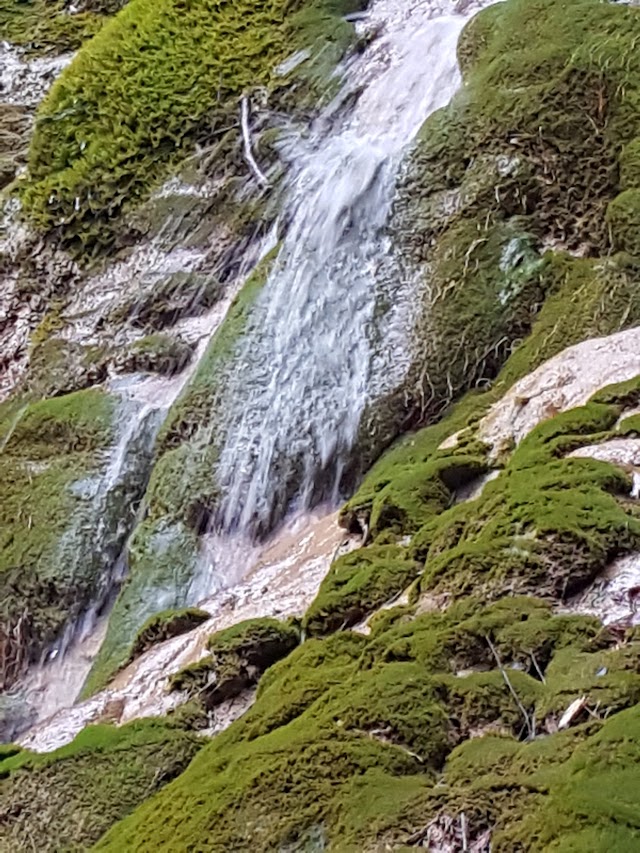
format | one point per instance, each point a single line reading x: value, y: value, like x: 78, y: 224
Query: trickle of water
x: 306, y: 368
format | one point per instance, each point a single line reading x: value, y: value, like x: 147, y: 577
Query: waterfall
x: 308, y: 364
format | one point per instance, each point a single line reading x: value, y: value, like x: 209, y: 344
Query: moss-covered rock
x: 356, y: 584
x: 158, y: 303
x: 42, y: 26
x: 67, y: 799
x: 523, y: 164
x: 237, y: 658
x: 58, y: 488
x: 14, y: 138
x: 161, y: 74
x: 346, y: 734
x: 546, y: 525
x: 49, y: 449
x: 163, y: 626
x: 588, y: 298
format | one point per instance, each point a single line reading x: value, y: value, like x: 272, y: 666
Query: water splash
x: 308, y: 364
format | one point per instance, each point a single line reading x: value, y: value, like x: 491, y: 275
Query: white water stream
x: 308, y: 364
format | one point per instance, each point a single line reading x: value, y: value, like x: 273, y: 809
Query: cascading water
x: 309, y: 363
x: 308, y: 366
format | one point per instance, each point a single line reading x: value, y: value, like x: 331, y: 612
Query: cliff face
x: 462, y: 671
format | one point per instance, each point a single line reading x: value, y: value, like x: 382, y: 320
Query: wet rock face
x: 495, y: 691
x: 72, y: 473
x: 514, y: 172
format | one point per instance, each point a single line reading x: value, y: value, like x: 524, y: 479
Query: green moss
x: 531, y: 153
x: 136, y: 98
x: 50, y: 449
x: 588, y: 298
x: 523, y: 631
x: 623, y: 214
x: 58, y: 366
x: 180, y: 498
x: 42, y: 26
x: 625, y: 394
x: 69, y: 798
x: 356, y: 584
x: 546, y: 525
x: 419, y: 451
x: 79, y: 422
x: 587, y: 799
x: 163, y: 626
x: 237, y: 658
x: 609, y: 679
x: 343, y: 727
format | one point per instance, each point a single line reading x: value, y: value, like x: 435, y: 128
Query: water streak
x: 308, y: 364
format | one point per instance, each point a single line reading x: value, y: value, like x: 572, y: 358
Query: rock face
x: 458, y: 667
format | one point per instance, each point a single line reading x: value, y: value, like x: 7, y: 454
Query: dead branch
x: 246, y: 137
x: 463, y: 831
x: 537, y: 668
x: 529, y: 724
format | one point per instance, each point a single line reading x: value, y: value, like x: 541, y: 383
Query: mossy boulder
x: 164, y: 74
x: 356, y: 584
x: 70, y: 797
x: 417, y: 462
x: 347, y: 734
x: 14, y: 139
x: 164, y: 626
x: 237, y: 658
x: 57, y: 488
x: 587, y: 298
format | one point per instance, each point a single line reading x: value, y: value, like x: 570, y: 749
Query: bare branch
x: 530, y: 726
x: 246, y: 137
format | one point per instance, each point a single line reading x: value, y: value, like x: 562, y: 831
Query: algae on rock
x: 67, y: 799
x: 181, y: 496
x: 345, y: 725
x: 66, y: 513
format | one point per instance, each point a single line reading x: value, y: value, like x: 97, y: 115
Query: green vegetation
x: 68, y: 798
x: 356, y: 584
x: 546, y: 525
x: 163, y: 626
x: 533, y: 152
x: 49, y: 449
x: 237, y: 658
x: 47, y: 26
x: 136, y: 98
x: 416, y: 467
x: 348, y: 736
